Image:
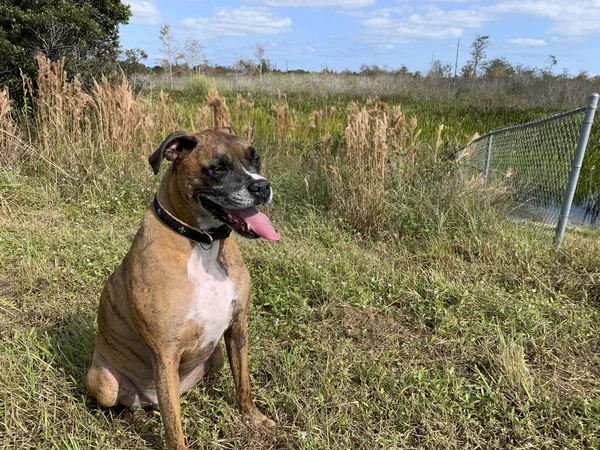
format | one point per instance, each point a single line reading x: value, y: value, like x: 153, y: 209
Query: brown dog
x: 183, y: 284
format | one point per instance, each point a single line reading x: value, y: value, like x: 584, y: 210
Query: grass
x: 454, y: 342
x: 447, y: 328
x: 200, y: 85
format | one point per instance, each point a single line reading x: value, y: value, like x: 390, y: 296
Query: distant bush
x: 200, y: 85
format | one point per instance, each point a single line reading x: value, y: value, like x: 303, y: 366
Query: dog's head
x: 218, y: 173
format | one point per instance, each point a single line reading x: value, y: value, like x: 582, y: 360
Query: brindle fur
x: 146, y: 350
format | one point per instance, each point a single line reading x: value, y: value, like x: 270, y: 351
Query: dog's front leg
x: 236, y: 340
x: 167, y: 388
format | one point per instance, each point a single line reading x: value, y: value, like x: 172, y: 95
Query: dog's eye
x: 220, y: 167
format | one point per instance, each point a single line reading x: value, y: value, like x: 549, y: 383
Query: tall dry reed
x: 8, y: 132
x: 322, y: 120
x: 380, y: 150
x: 281, y: 115
x: 107, y: 131
x: 244, y: 116
x: 219, y: 108
x: 201, y: 119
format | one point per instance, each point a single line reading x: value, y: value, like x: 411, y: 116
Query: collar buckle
x: 211, y: 241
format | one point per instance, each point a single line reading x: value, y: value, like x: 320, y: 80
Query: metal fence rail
x: 537, y: 164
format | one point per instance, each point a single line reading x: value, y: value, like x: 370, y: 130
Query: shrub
x: 198, y: 86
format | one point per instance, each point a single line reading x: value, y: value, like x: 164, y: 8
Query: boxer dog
x: 182, y: 285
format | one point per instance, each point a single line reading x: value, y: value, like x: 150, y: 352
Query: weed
x: 399, y: 310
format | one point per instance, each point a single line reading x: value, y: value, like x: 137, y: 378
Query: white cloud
x: 317, y: 3
x: 243, y: 21
x: 385, y: 48
x: 469, y: 18
x: 381, y: 12
x: 310, y: 49
x: 387, y: 31
x: 570, y: 17
x: 431, y: 23
x: 143, y: 12
x: 568, y: 40
x: 526, y: 42
x: 398, y: 25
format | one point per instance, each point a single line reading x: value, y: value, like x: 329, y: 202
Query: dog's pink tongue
x: 259, y: 222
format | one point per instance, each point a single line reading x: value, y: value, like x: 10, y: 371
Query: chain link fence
x: 536, y: 166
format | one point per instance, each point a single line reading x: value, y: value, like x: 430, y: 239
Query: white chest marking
x: 212, y: 301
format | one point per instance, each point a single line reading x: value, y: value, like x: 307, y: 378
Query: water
x: 550, y: 215
x: 577, y: 217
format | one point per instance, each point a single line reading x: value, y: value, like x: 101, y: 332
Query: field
x: 399, y: 310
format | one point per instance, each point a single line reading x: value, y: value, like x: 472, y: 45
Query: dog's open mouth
x: 250, y: 222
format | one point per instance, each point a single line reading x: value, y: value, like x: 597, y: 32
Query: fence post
x: 584, y: 135
x: 488, y: 154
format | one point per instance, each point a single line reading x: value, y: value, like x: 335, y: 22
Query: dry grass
x: 462, y: 331
x: 380, y: 148
x: 201, y: 121
x: 95, y: 134
x: 8, y: 130
x: 245, y: 116
x: 218, y: 107
x: 323, y: 121
x: 281, y: 113
x: 510, y: 362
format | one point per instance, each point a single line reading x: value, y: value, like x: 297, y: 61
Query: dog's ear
x: 229, y: 130
x: 171, y: 148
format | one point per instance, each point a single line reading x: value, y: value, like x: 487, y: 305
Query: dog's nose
x: 260, y: 188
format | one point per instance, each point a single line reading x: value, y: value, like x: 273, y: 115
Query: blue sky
x: 339, y: 34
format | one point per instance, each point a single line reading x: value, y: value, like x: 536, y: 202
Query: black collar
x: 203, y: 237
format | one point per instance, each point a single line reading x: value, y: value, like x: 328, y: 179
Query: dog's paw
x: 258, y: 419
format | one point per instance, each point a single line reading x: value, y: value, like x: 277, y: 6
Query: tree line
x: 85, y: 34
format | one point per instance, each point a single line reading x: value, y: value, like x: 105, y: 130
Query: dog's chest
x: 213, y: 296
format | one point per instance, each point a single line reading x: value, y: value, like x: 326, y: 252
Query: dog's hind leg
x: 102, y: 381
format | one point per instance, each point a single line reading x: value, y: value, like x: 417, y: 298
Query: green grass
x: 198, y: 86
x: 458, y: 330
x: 461, y: 117
x: 452, y: 328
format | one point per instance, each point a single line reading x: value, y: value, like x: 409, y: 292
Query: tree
x: 259, y: 54
x: 551, y: 61
x: 498, y: 68
x: 403, y: 70
x: 193, y: 53
x: 170, y: 49
x: 439, y: 70
x: 466, y: 71
x: 326, y: 70
x: 84, y: 32
x: 525, y: 72
x: 478, y: 55
x: 370, y: 71
x: 244, y: 66
x: 131, y: 61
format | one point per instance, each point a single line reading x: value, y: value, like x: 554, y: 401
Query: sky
x: 340, y: 34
